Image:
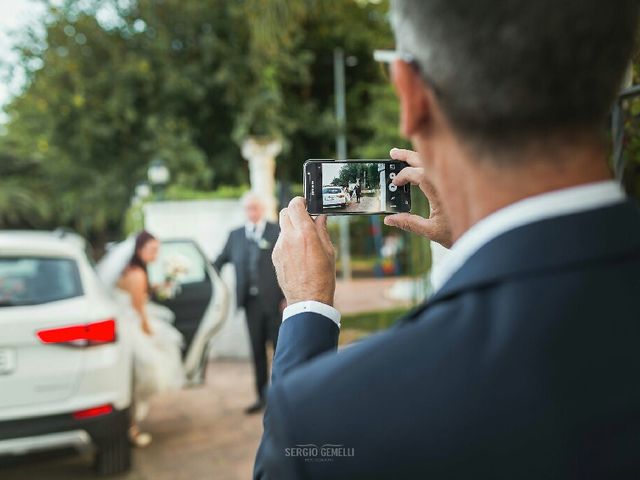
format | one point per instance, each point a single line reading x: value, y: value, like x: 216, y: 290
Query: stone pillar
x: 261, y: 155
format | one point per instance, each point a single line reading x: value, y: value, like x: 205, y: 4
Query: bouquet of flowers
x: 176, y: 268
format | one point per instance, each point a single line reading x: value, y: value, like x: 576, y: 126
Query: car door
x: 199, y: 302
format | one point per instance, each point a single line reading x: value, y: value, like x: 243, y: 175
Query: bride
x: 157, y: 364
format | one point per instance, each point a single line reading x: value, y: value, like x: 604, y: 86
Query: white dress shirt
x: 313, y: 307
x: 532, y: 209
x: 258, y: 232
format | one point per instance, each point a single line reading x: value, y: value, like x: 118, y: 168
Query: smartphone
x: 354, y: 187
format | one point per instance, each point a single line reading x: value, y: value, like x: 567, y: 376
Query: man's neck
x: 486, y: 187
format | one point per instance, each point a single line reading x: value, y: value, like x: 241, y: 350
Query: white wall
x: 208, y: 222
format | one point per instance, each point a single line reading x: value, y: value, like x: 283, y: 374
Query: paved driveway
x: 198, y: 434
x: 366, y: 204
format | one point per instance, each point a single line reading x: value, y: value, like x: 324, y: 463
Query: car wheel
x: 113, y: 453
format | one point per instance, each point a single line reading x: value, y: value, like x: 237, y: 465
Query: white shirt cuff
x: 313, y: 307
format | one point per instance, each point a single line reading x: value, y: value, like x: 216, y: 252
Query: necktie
x: 254, y: 253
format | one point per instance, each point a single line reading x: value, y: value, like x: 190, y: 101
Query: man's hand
x: 304, y: 256
x: 436, y: 227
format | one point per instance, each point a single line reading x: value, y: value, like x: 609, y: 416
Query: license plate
x: 330, y: 198
x: 7, y: 361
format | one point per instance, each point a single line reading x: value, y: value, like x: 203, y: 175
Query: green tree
x: 112, y: 85
x: 21, y: 201
x: 364, y: 173
x: 631, y: 147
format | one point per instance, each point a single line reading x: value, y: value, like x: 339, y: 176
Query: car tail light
x: 93, y: 412
x: 84, y: 335
x: 341, y: 195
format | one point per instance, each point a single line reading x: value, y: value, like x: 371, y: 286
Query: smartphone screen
x: 354, y: 187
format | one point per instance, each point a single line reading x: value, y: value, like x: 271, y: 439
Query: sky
x: 14, y: 14
x: 330, y: 171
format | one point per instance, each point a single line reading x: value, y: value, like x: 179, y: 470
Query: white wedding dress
x: 157, y: 360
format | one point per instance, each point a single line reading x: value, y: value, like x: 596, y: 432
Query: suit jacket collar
x: 271, y: 230
x: 561, y: 242
x: 553, y: 204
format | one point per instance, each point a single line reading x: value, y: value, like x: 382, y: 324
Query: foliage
x: 631, y: 174
x: 380, y: 117
x: 21, y: 200
x: 365, y: 174
x: 372, y: 321
x: 178, y: 192
x: 112, y: 85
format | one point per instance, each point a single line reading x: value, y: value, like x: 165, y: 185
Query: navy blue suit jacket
x: 525, y: 364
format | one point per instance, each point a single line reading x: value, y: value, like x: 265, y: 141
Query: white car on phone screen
x: 65, y: 365
x: 334, y: 197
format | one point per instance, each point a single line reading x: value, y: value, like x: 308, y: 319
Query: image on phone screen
x: 355, y: 187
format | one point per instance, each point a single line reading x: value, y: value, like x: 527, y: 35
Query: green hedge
x: 177, y: 192
x: 372, y: 321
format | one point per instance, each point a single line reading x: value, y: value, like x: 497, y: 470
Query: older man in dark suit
x: 249, y: 249
x: 524, y: 364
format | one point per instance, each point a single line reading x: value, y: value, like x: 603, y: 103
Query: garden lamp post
x: 159, y: 176
x: 143, y: 190
x: 339, y: 63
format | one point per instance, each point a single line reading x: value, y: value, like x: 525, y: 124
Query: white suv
x: 65, y: 375
x: 65, y: 371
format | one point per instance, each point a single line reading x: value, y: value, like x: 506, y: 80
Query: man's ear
x: 415, y: 108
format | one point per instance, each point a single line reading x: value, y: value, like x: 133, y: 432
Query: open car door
x: 199, y: 301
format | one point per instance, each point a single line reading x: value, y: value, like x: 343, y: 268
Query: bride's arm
x: 138, y: 289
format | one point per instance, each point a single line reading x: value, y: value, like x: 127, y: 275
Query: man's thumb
x: 409, y: 222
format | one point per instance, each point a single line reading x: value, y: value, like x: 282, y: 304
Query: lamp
x: 158, y: 175
x: 143, y: 190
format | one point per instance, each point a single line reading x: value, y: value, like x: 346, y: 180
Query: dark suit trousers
x: 263, y: 326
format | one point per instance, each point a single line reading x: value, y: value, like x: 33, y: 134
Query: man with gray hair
x: 249, y: 249
x: 524, y: 363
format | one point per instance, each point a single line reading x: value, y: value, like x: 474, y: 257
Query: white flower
x: 263, y: 244
x: 176, y: 266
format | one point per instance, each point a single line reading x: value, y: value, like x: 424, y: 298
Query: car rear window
x: 332, y: 190
x: 37, y: 280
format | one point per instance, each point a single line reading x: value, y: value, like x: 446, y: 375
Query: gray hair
x: 251, y: 196
x: 507, y: 70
